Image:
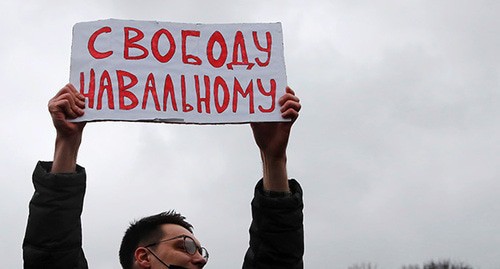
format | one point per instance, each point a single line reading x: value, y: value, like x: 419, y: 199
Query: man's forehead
x: 171, y: 230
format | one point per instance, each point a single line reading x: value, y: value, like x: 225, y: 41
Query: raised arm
x: 272, y: 140
x: 276, y: 232
x: 53, y: 236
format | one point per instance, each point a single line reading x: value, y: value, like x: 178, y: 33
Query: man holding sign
x: 53, y: 235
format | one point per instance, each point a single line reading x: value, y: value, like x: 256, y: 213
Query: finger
x: 69, y: 89
x: 291, y: 104
x: 76, y: 93
x: 62, y: 107
x: 66, y: 104
x: 290, y: 114
x: 80, y: 104
x: 78, y: 97
x: 290, y: 110
x: 64, y: 93
x: 63, y: 90
x: 289, y: 95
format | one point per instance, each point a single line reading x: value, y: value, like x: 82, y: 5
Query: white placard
x: 178, y: 72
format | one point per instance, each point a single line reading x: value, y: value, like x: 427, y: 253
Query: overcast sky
x: 397, y: 146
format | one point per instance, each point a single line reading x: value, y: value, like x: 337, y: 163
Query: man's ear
x: 142, y: 258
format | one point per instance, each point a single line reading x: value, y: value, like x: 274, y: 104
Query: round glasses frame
x: 190, y: 246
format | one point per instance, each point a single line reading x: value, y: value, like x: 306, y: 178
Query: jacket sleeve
x: 277, y: 231
x: 53, y: 236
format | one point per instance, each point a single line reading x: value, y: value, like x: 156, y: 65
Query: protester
x: 53, y: 236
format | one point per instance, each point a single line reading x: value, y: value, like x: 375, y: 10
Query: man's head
x: 159, y: 240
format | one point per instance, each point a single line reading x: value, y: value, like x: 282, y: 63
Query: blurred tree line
x: 444, y: 264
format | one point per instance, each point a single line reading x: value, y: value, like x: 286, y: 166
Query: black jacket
x: 54, y: 235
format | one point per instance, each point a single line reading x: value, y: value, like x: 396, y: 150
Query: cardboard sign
x: 178, y: 72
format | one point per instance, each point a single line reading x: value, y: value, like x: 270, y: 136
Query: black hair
x: 147, y: 231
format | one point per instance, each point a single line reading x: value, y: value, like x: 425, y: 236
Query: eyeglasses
x: 189, y: 245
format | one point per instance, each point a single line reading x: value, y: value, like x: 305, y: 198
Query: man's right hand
x: 67, y: 104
